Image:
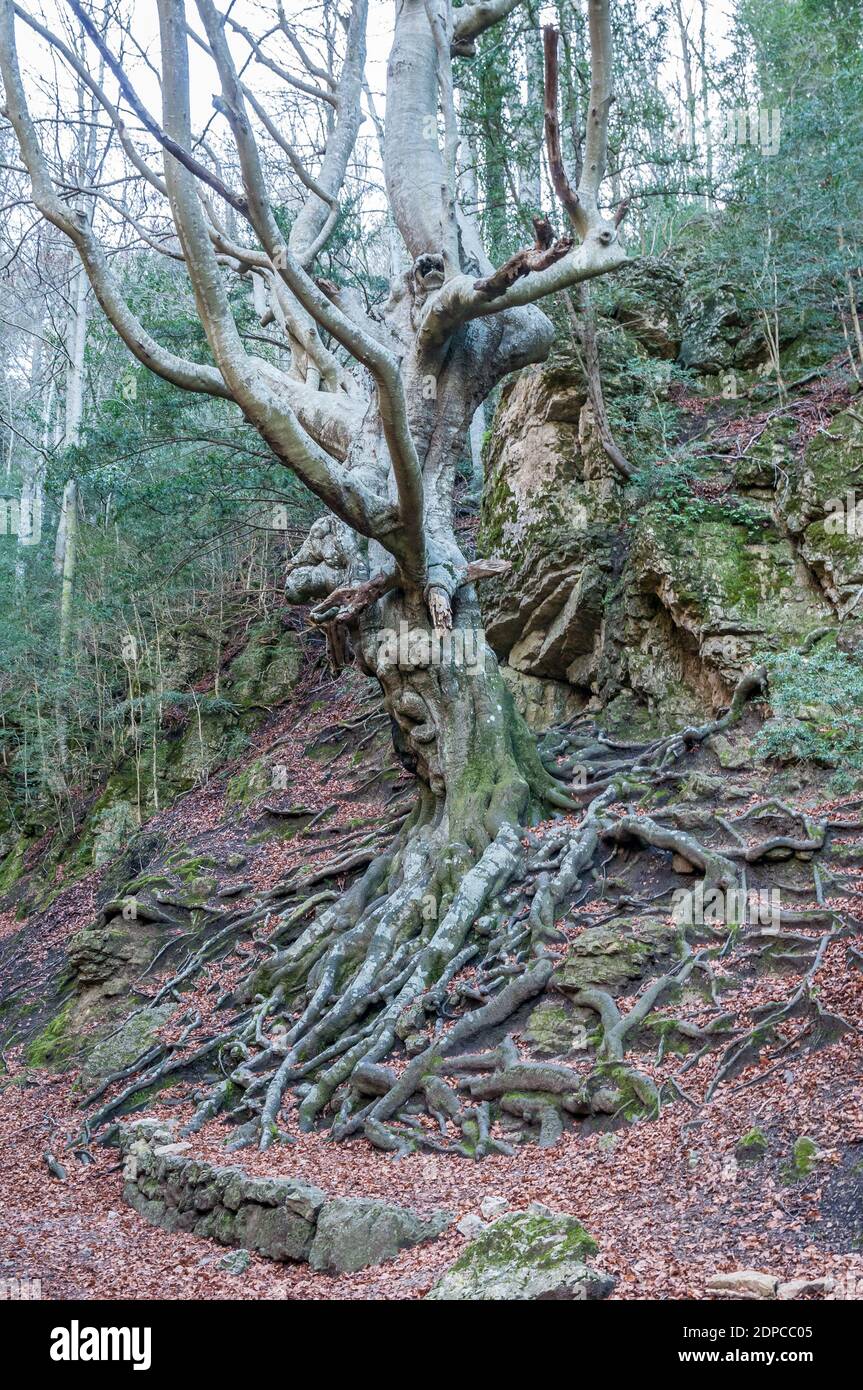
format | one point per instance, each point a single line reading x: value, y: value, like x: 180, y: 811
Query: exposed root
x: 440, y: 941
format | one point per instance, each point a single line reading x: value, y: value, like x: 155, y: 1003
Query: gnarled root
x: 383, y: 966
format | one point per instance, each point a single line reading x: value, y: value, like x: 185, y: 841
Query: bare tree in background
x: 382, y: 457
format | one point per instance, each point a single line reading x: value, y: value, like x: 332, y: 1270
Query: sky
x: 55, y: 14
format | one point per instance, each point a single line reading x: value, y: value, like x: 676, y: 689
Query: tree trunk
x: 454, y: 721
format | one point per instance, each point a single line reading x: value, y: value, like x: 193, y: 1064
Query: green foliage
x: 177, y: 516
x: 669, y: 482
x: 817, y: 700
x: 54, y: 1046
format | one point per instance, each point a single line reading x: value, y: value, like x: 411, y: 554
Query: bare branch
x: 83, y: 72
x: 172, y: 146
x: 255, y: 385
x: 272, y: 130
x: 305, y: 87
x: 560, y: 182
x: 546, y: 252
x: 601, y: 97
x: 472, y: 20
x: 531, y: 275
x: 317, y: 218
x: 413, y: 167
x: 290, y: 35
x: 190, y: 375
x: 407, y: 541
x: 442, y: 32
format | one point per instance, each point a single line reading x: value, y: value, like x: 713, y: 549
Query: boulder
x: 235, y: 1262
x: 125, y: 1044
x: 278, y: 1233
x: 555, y: 1028
x: 526, y: 1256
x: 712, y: 327
x: 652, y: 608
x: 733, y: 756
x: 796, y: 1288
x: 491, y: 1206
x: 353, y: 1232
x: 470, y: 1225
x: 743, y: 1283
x: 550, y: 506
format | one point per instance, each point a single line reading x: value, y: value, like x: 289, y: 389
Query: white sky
x: 36, y: 58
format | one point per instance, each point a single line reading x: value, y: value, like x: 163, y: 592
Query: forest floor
x: 666, y: 1199
x: 660, y: 1201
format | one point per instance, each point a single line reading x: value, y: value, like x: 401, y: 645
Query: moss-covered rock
x: 804, y: 1156
x: 739, y: 586
x: 752, y: 1146
x: 12, y: 865
x: 648, y: 301
x: 267, y: 668
x: 253, y: 781
x: 124, y: 1044
x: 354, y: 1232
x: 610, y: 957
x: 526, y: 1256
x: 105, y: 957
x: 555, y: 1028
x: 113, y: 828
x: 56, y: 1044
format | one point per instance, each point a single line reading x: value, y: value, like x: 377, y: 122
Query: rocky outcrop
x: 279, y: 1218
x: 722, y: 581
x: 551, y: 507
x: 649, y: 602
x: 822, y: 506
x: 123, y: 1045
x: 526, y: 1256
x: 649, y: 300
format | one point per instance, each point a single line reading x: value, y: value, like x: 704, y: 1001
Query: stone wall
x: 280, y: 1218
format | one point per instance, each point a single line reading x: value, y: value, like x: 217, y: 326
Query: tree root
x: 385, y: 962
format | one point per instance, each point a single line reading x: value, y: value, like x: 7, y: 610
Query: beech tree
x: 379, y: 444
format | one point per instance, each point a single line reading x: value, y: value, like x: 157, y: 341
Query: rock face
x: 354, y: 1232
x: 280, y: 1218
x: 526, y: 1256
x: 821, y: 509
x: 651, y: 604
x: 555, y: 1028
x: 124, y: 1044
x: 105, y: 957
x: 649, y: 295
